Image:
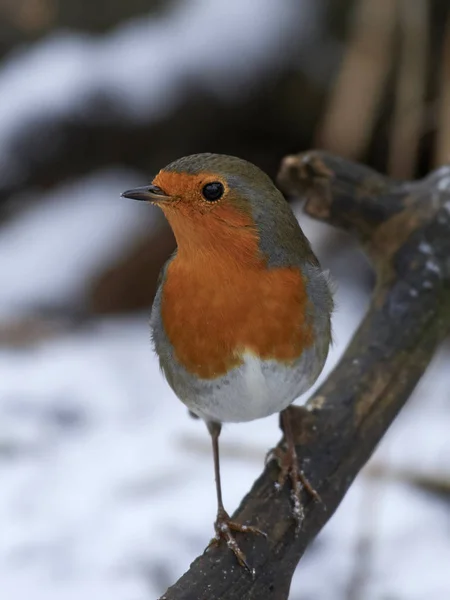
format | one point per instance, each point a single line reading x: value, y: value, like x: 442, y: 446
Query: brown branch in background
x: 24, y: 21
x: 28, y: 330
x: 130, y: 283
x: 406, y: 230
x: 438, y: 485
x: 354, y: 102
x: 408, y: 118
x: 442, y: 151
x: 28, y: 16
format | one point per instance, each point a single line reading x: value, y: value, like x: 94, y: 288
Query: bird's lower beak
x: 148, y: 193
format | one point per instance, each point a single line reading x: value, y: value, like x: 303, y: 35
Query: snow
x: 425, y: 248
x: 60, y: 241
x: 444, y: 183
x: 432, y: 266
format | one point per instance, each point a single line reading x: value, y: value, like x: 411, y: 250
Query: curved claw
x: 288, y: 463
x: 224, y: 528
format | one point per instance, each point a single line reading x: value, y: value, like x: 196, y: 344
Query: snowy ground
x: 107, y: 485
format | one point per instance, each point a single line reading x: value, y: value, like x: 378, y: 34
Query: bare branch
x: 406, y: 229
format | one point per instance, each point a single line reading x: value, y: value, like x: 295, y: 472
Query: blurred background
x: 106, y: 485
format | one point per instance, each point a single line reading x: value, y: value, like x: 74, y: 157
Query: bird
x: 241, y: 319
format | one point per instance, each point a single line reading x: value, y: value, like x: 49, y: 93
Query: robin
x: 241, y: 317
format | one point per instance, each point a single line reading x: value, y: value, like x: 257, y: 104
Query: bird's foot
x: 225, y: 528
x: 288, y: 463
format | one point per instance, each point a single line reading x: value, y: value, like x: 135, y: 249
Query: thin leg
x: 215, y: 429
x: 288, y: 463
x: 223, y: 525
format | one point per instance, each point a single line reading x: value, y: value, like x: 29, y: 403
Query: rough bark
x: 405, y: 229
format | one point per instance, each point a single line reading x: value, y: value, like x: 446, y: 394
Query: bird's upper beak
x: 148, y: 193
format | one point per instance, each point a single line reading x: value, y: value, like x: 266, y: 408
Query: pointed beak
x: 148, y: 193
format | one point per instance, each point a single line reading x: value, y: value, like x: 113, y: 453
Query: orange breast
x: 213, y: 313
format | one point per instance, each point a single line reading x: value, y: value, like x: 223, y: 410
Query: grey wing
x: 159, y: 339
x: 320, y: 292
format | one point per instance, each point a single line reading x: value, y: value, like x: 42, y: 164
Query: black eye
x: 212, y: 191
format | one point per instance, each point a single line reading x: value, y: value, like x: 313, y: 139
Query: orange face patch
x: 187, y: 188
x: 225, y: 228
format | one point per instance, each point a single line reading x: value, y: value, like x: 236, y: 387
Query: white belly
x: 254, y: 390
